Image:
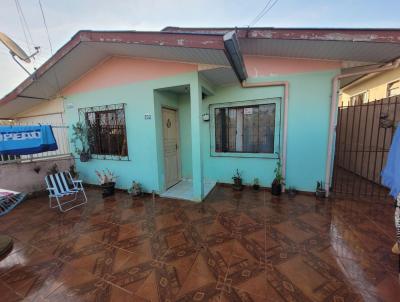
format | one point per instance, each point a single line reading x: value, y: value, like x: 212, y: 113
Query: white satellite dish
x: 17, y: 51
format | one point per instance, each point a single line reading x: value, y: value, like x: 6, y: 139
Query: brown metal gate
x: 363, y: 137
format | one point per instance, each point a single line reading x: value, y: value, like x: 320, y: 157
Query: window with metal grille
x: 245, y: 129
x: 106, y: 131
x: 359, y: 99
x: 393, y: 88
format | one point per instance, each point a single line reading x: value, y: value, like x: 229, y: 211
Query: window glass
x: 247, y: 129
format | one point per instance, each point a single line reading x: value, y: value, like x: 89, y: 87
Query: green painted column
x: 196, y: 120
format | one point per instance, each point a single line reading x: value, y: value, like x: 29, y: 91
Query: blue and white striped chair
x: 62, y: 185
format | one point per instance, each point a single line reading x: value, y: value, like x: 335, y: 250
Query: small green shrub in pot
x: 237, y: 181
x: 80, y: 141
x: 276, y: 186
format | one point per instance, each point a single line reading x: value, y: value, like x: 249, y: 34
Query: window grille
x: 106, y: 131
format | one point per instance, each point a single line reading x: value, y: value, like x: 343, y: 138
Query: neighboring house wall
x: 137, y: 82
x: 376, y: 86
x: 47, y: 113
x: 362, y: 136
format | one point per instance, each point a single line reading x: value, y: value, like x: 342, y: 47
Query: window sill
x: 108, y: 157
x: 244, y: 155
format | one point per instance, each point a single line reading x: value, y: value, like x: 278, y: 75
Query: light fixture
x: 206, y: 117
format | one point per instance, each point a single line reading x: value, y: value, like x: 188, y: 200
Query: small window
x: 245, y: 129
x: 393, y: 88
x: 106, y: 131
x: 359, y: 99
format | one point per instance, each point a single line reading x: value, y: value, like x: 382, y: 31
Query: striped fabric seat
x: 9, y: 200
x: 61, y: 185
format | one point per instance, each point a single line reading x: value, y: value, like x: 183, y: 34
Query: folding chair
x: 9, y: 200
x: 61, y: 185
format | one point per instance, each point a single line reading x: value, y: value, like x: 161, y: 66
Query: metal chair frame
x: 59, y: 187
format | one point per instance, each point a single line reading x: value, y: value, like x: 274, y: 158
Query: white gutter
x: 334, y: 105
x: 285, y: 84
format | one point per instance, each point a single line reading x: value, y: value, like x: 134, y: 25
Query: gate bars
x: 364, y: 134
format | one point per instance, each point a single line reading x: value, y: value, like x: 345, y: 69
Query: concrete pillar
x: 196, y: 120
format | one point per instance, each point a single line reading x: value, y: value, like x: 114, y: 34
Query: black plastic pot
x: 291, y: 193
x: 237, y: 183
x: 108, y: 189
x: 320, y: 193
x: 256, y: 187
x: 84, y: 157
x: 276, y: 189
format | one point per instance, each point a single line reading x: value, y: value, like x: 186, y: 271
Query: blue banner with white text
x: 24, y: 140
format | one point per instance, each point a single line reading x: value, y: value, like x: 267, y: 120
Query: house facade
x: 200, y: 104
x: 191, y: 96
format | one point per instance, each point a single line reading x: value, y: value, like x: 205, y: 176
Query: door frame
x: 178, y: 152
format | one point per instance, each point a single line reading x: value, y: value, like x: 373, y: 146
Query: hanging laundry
x: 23, y: 140
x: 391, y: 172
x: 391, y: 179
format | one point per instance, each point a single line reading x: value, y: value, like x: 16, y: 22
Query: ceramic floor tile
x: 234, y: 246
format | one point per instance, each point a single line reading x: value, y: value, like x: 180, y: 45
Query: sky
x: 65, y: 17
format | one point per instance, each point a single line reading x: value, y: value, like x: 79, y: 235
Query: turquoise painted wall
x: 309, y: 98
x: 308, y: 121
x: 144, y: 140
x: 185, y: 135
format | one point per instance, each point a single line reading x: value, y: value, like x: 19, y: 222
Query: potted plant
x: 237, y: 181
x: 291, y: 192
x: 107, y: 180
x: 320, y: 190
x: 276, y: 186
x: 135, y: 190
x: 256, y: 184
x: 80, y: 141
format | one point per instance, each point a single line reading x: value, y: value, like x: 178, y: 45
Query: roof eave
x: 188, y: 40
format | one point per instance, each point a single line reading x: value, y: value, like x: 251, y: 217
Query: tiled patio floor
x: 243, y: 246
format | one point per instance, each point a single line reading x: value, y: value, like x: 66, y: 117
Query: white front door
x: 171, y: 147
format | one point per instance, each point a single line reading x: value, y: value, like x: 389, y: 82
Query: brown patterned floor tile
x: 313, y: 287
x: 208, y: 292
x: 35, y: 278
x: 167, y: 220
x: 74, y: 285
x: 247, y: 277
x: 198, y: 273
x: 293, y: 232
x: 113, y: 234
x: 94, y: 257
x: 119, y: 248
x: 8, y: 294
x: 316, y: 220
x: 21, y: 258
x: 238, y: 295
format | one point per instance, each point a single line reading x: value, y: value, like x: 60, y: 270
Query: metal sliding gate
x: 363, y: 137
